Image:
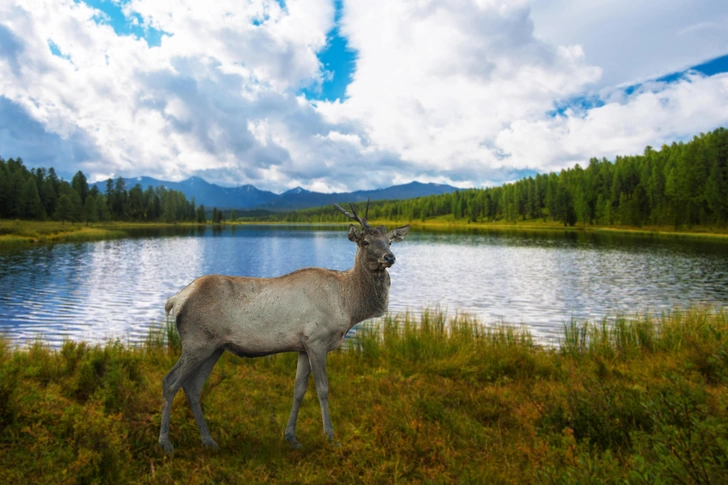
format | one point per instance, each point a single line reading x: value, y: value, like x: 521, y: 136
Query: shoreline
x: 23, y: 234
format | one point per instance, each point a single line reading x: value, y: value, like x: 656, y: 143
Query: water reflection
x: 94, y: 291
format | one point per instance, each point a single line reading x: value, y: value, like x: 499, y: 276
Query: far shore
x: 19, y: 233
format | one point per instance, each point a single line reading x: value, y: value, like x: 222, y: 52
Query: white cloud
x: 436, y: 82
x: 280, y: 50
x: 650, y: 117
x: 636, y: 40
x: 172, y: 110
x: 447, y: 91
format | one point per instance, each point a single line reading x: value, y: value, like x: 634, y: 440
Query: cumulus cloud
x: 173, y: 110
x: 635, y: 41
x: 437, y: 81
x: 656, y: 114
x: 452, y: 91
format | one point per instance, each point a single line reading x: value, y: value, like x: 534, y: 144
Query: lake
x: 117, y: 289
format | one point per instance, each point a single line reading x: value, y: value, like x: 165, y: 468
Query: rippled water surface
x: 108, y: 289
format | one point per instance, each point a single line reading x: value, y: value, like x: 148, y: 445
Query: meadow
x: 421, y: 398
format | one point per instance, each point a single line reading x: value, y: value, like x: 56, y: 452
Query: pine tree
x: 64, y: 209
x: 102, y: 208
x: 76, y: 206
x: 90, y: 214
x: 136, y: 203
x: 4, y: 189
x: 17, y: 195
x: 51, y: 196
x: 32, y: 209
x: 80, y: 185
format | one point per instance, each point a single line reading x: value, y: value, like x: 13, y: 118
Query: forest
x: 680, y: 185
x: 39, y: 194
x: 683, y: 184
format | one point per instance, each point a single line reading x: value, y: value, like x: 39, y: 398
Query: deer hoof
x: 210, y: 444
x: 166, y: 446
x: 293, y: 442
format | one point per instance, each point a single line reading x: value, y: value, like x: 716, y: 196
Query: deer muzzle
x: 389, y: 259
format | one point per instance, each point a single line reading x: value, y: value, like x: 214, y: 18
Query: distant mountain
x: 299, y: 198
x: 249, y: 197
x: 205, y: 193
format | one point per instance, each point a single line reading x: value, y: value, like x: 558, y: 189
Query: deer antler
x: 354, y: 216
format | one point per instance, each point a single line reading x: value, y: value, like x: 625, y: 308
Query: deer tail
x: 170, y: 305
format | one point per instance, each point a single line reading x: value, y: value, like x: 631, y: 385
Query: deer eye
x: 365, y: 243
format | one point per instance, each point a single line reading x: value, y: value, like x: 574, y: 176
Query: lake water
x: 117, y: 289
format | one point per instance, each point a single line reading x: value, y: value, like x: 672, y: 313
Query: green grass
x: 16, y: 233
x: 448, y: 222
x: 21, y: 234
x: 414, y: 398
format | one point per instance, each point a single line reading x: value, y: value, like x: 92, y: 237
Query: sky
x: 351, y: 95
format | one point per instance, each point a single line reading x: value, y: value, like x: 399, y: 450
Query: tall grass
x: 626, y: 336
x: 414, y: 398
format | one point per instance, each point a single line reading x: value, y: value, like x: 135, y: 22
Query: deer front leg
x: 317, y: 360
x: 299, y: 390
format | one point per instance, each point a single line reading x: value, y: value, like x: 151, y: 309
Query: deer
x: 308, y: 311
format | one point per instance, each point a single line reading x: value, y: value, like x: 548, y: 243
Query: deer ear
x: 397, y: 235
x: 354, y: 233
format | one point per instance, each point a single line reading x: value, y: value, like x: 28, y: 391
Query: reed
x: 625, y: 336
x: 423, y: 397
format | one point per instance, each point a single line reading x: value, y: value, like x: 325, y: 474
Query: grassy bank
x: 17, y: 233
x: 450, y: 223
x: 21, y: 234
x: 14, y: 233
x: 432, y: 400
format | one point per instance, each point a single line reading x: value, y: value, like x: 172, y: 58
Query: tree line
x: 682, y: 184
x: 39, y: 194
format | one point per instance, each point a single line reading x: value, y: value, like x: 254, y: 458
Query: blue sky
x: 583, y: 103
x: 339, y: 95
x: 133, y: 24
x: 338, y: 60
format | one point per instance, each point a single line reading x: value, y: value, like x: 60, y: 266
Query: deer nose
x: 389, y: 259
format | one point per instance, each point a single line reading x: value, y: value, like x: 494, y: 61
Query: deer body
x: 235, y: 310
x: 308, y: 311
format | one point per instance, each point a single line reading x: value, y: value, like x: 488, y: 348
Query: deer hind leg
x: 299, y: 390
x: 317, y: 359
x: 188, y: 363
x: 193, y: 389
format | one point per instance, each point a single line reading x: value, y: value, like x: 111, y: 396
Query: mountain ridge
x: 249, y: 197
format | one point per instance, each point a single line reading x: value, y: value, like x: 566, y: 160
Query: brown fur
x: 308, y: 311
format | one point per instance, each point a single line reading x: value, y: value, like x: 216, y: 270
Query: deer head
x: 373, y: 242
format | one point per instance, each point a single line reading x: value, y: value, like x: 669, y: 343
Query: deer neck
x: 368, y: 291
